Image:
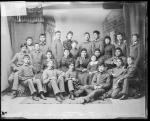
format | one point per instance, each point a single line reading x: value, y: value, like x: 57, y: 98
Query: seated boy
x: 15, y: 64
x: 54, y: 78
x: 27, y: 77
x: 101, y: 83
x: 117, y: 73
x: 72, y: 81
x: 130, y: 80
x: 118, y: 54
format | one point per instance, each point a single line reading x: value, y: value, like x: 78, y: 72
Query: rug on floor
x: 50, y: 100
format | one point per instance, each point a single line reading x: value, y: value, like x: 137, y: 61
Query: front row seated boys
x: 102, y: 84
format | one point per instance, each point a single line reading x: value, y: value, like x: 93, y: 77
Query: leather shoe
x: 42, y: 97
x: 124, y: 97
x: 138, y: 95
x: 35, y: 98
x: 72, y: 97
x: 13, y: 94
x: 62, y: 97
x: 58, y: 98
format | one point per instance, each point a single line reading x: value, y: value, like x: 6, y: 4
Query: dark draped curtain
x: 33, y: 24
x: 135, y: 16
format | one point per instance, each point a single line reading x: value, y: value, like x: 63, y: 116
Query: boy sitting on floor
x: 101, y: 83
x: 27, y: 77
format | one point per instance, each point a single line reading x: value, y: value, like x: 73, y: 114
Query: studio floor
x: 131, y: 108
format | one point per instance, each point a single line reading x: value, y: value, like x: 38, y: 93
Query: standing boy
x: 43, y: 44
x: 97, y: 42
x: 57, y: 47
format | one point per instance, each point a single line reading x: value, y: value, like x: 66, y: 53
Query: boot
x: 58, y: 98
x: 42, y: 96
x: 124, y: 97
x: 34, y: 97
x: 14, y: 94
x: 72, y: 97
x: 61, y: 96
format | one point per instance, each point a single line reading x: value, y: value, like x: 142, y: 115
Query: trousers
x: 57, y: 85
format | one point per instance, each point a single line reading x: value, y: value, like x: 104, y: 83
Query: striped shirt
x: 26, y: 72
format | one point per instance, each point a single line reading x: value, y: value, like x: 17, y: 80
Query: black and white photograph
x: 74, y: 60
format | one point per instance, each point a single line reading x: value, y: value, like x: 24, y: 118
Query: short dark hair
x: 87, y: 33
x: 94, y: 55
x: 119, y: 33
x: 26, y: 56
x: 66, y: 49
x: 48, y: 51
x: 135, y: 34
x: 102, y: 64
x: 57, y: 32
x: 97, y: 49
x: 42, y: 35
x: 36, y: 43
x: 131, y: 57
x: 23, y: 45
x: 107, y: 37
x: 120, y: 60
x: 84, y: 49
x: 69, y: 32
x: 118, y: 48
x: 29, y: 38
x: 75, y: 41
x: 96, y: 31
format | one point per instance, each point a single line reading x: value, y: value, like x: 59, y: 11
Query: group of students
x: 96, y: 69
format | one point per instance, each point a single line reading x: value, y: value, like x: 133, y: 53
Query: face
x: 134, y: 39
x: 118, y: 63
x: 37, y: 47
x: 96, y: 36
x: 83, y: 53
x: 71, y: 66
x: 24, y: 49
x: 119, y: 37
x: 93, y: 58
x: 58, y: 36
x: 101, y: 68
x: 74, y: 45
x: 42, y: 38
x: 97, y: 53
x: 107, y: 41
x: 129, y: 61
x: 49, y: 55
x: 86, y: 37
x: 26, y: 60
x: 66, y: 53
x: 29, y: 42
x: 69, y: 36
x: 50, y: 64
x: 117, y: 53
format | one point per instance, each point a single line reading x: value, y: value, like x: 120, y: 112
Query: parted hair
x: 23, y: 45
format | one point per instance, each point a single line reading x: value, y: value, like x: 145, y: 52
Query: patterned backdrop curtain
x: 33, y: 25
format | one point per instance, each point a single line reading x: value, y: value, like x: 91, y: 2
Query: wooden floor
x: 131, y: 108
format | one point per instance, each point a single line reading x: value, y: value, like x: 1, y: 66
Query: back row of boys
x: 58, y: 50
